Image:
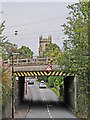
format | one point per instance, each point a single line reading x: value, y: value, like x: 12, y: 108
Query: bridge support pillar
x: 21, y: 88
x: 70, y: 91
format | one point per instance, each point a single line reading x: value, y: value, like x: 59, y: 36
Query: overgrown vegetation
x: 52, y: 80
x: 42, y: 78
x: 74, y: 57
x: 5, y: 72
x: 6, y: 85
x: 6, y: 49
x: 3, y: 39
x: 52, y: 49
x: 56, y: 91
x: 55, y: 81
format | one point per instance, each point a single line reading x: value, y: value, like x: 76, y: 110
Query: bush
x: 56, y: 91
x: 42, y: 78
x: 6, y: 85
x: 51, y: 81
x: 58, y: 81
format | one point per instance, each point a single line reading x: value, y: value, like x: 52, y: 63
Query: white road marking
x: 49, y: 114
x: 49, y: 111
x: 47, y: 108
x: 44, y: 99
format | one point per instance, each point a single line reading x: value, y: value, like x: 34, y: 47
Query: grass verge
x: 57, y: 92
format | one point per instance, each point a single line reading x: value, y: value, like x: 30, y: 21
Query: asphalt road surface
x: 45, y: 104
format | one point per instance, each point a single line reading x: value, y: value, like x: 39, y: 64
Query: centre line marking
x: 44, y: 99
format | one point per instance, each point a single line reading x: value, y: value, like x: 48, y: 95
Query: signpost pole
x: 12, y: 91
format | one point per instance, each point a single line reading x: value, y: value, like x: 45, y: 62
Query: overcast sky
x: 32, y: 19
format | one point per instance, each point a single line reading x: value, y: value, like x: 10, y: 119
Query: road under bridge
x: 70, y: 90
x: 26, y: 69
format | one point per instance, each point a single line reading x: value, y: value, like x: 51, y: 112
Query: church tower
x: 43, y: 42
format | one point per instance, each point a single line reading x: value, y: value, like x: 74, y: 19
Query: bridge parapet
x: 31, y: 61
x: 34, y: 68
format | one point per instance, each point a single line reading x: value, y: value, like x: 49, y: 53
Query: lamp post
x: 13, y: 84
x: 51, y: 60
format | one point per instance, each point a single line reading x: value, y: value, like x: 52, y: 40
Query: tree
x: 58, y: 81
x: 6, y: 48
x: 51, y: 81
x: 53, y: 50
x: 26, y: 51
x: 42, y: 78
x: 3, y: 39
x: 75, y: 55
x: 10, y: 48
x: 76, y: 46
x: 5, y: 85
x: 55, y: 80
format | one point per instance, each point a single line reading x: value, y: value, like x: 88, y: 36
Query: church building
x: 43, y: 42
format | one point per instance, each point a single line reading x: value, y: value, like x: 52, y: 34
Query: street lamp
x: 51, y: 60
x: 13, y: 84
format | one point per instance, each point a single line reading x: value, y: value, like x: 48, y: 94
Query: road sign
x: 49, y: 68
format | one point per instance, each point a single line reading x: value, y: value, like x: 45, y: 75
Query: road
x: 45, y: 104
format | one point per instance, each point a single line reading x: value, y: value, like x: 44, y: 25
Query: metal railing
x: 35, y: 60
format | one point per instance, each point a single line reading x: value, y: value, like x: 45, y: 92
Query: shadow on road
x: 26, y: 105
x: 38, y: 104
x: 43, y: 104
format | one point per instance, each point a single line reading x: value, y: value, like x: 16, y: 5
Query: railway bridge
x: 36, y: 66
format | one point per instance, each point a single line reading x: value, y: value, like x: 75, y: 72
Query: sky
x: 32, y: 19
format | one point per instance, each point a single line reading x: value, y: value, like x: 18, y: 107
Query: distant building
x: 43, y: 42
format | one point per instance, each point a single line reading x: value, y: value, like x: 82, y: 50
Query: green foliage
x: 10, y: 48
x: 76, y: 46
x: 55, y: 80
x: 57, y: 92
x: 42, y: 78
x: 52, y: 50
x: 26, y: 51
x: 6, y: 85
x: 5, y: 73
x: 3, y: 39
x: 51, y: 81
x: 7, y: 48
x: 75, y: 55
x: 74, y: 58
x: 59, y: 81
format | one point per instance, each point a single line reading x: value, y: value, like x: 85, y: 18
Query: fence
x: 35, y: 60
